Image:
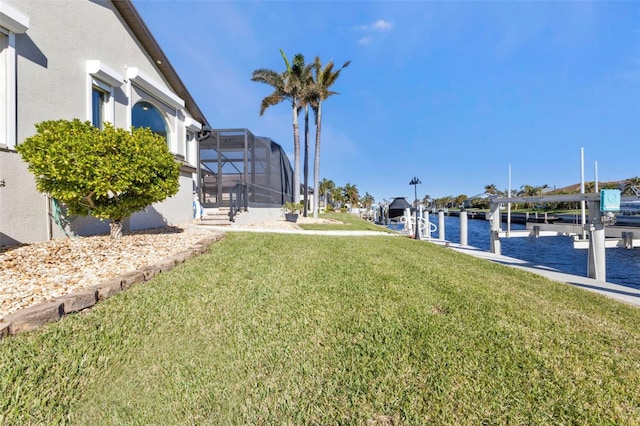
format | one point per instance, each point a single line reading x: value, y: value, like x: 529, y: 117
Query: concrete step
x: 217, y: 217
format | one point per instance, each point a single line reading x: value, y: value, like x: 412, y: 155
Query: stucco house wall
x: 68, y: 48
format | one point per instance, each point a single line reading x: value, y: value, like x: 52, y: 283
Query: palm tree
x: 367, y: 200
x: 632, y: 186
x: 350, y: 193
x: 308, y: 96
x: 530, y: 191
x: 324, y: 79
x: 490, y: 189
x: 286, y: 86
x: 458, y: 200
x: 426, y: 201
x: 337, y: 195
x: 326, y: 186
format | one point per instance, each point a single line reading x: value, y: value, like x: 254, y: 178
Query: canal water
x: 623, y: 265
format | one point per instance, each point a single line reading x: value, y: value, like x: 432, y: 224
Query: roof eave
x: 133, y: 19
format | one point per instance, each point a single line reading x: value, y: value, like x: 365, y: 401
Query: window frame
x: 192, y: 129
x: 12, y: 22
x: 150, y: 90
x: 103, y: 79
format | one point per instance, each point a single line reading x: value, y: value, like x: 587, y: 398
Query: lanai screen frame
x: 228, y: 157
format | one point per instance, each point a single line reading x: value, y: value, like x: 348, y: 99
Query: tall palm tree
x: 286, y: 86
x: 324, y: 78
x: 308, y: 97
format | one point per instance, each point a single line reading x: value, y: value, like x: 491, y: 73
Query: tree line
x: 338, y: 196
x: 629, y: 186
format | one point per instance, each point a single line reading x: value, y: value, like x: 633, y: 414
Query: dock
x: 616, y: 291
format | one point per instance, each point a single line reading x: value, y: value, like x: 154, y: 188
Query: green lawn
x: 295, y: 329
x: 348, y: 222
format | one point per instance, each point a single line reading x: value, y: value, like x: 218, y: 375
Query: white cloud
x: 365, y: 40
x: 379, y: 25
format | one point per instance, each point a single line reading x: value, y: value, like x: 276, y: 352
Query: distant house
x: 94, y: 60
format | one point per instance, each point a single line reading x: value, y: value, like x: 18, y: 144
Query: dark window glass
x: 145, y: 114
x: 97, y: 108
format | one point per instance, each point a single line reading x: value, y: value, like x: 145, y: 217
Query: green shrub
x: 108, y: 174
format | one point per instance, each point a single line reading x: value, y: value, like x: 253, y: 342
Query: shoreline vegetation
x: 306, y: 329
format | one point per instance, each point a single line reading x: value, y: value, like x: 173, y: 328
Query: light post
x: 415, y: 182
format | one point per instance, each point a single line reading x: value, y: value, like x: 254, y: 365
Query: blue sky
x: 450, y: 92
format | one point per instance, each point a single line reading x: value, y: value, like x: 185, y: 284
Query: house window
x: 99, y: 100
x: 145, y: 114
x: 102, y: 84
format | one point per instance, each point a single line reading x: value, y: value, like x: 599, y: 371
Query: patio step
x: 217, y: 217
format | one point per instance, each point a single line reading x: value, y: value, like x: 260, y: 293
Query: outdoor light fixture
x: 415, y: 182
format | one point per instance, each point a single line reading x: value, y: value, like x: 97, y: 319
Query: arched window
x: 144, y: 114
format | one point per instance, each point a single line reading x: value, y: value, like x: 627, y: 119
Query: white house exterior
x: 94, y: 60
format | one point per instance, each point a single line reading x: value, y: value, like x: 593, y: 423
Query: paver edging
x: 52, y: 310
x: 34, y: 316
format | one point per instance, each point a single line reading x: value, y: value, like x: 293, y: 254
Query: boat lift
x: 593, y: 232
x: 418, y: 225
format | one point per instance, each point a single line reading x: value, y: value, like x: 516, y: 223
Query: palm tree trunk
x: 316, y: 161
x: 296, y: 157
x: 306, y: 160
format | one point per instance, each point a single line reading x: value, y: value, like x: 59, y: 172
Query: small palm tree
x: 367, y: 200
x: 490, y: 189
x: 350, y: 193
x: 337, y: 195
x: 325, y: 187
x: 530, y: 191
x: 458, y: 200
x: 632, y: 186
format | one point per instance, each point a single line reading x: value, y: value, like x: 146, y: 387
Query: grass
x: 349, y: 222
x: 296, y: 329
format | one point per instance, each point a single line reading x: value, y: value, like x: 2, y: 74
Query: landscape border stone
x: 4, y: 329
x: 106, y: 289
x: 128, y: 279
x: 77, y: 301
x: 35, y: 316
